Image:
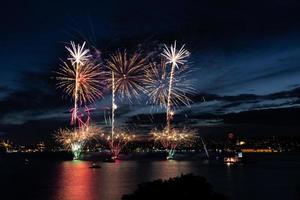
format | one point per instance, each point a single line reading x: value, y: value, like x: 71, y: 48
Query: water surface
x: 269, y: 177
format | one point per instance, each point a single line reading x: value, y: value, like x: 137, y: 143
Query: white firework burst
x: 79, y: 55
x: 175, y: 56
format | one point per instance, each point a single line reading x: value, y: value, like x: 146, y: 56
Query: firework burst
x: 128, y: 72
x: 76, y: 139
x: 82, y: 79
x: 175, y: 56
x: 127, y: 79
x: 171, y: 139
x: 79, y: 54
x: 83, y: 83
x: 157, y: 79
x: 117, y: 143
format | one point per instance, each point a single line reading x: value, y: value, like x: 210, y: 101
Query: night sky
x: 245, y: 57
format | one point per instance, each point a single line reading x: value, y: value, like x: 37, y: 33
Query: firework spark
x: 76, y: 139
x: 83, y: 83
x: 82, y: 118
x: 175, y: 56
x: 127, y: 78
x: 83, y: 79
x: 79, y: 55
x: 117, y: 141
x: 128, y: 72
x: 171, y: 139
x: 157, y: 80
x: 113, y: 108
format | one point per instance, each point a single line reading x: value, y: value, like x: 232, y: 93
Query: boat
x: 109, y: 160
x: 95, y: 166
x: 234, y: 158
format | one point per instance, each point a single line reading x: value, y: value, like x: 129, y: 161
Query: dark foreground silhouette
x: 184, y: 187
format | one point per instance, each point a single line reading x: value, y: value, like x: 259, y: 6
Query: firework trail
x: 173, y: 57
x: 157, y: 79
x: 82, y: 82
x: 113, y: 108
x: 88, y: 111
x: 82, y: 79
x: 79, y: 56
x: 83, y: 119
x: 169, y: 89
x: 127, y: 77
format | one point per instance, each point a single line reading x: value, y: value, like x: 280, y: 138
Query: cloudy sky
x: 245, y: 57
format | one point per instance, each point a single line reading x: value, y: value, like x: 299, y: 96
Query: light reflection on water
x: 76, y: 181
x: 271, y: 177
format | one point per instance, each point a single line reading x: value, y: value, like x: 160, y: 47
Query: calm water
x: 270, y: 177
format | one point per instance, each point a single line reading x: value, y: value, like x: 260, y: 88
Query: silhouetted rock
x: 184, y: 187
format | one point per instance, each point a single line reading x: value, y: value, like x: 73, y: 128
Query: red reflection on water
x: 75, y: 181
x: 117, y: 161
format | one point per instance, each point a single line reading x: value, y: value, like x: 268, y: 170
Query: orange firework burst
x: 157, y: 79
x: 128, y: 72
x: 82, y: 82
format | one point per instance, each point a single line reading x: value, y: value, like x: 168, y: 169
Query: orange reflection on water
x: 75, y: 181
